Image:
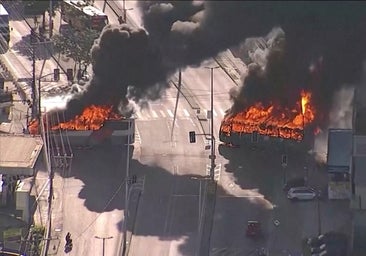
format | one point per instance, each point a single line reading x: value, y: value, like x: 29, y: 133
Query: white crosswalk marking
x: 186, y: 112
x: 170, y: 113
x: 154, y: 114
x: 162, y: 113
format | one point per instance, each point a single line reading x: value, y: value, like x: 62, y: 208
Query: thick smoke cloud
x: 323, y: 48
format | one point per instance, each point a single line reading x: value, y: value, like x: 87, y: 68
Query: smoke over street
x: 321, y: 48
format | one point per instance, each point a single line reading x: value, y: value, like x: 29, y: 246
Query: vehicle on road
x: 301, y: 193
x: 253, y: 228
x: 80, y: 15
x: 293, y: 183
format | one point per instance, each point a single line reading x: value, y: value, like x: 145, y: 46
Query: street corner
x: 54, y: 246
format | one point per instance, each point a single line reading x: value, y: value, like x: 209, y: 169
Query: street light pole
x: 103, y: 238
x: 212, y: 156
x: 319, y: 213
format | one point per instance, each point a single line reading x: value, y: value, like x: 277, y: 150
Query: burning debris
x: 92, y: 117
x: 271, y: 120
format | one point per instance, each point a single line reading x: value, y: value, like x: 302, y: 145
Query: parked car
x: 293, y: 183
x: 253, y: 228
x: 301, y: 193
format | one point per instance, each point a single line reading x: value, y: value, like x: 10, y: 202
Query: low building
x: 358, y: 202
x: 19, y: 153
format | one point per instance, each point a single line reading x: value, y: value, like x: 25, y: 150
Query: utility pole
x: 127, y: 181
x: 33, y: 39
x: 176, y: 103
x: 124, y: 11
x: 50, y: 25
x: 103, y: 238
x: 212, y: 156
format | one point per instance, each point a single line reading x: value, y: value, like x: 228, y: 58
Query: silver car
x: 301, y: 193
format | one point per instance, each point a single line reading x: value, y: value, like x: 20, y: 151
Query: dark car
x: 293, y: 183
x: 253, y: 228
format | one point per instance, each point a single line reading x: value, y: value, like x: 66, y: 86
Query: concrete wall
x: 22, y: 198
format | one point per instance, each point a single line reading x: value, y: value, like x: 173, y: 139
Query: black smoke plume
x: 329, y: 36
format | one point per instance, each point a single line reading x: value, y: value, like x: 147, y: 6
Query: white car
x: 301, y: 193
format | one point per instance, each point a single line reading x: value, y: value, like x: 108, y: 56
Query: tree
x: 39, y: 7
x: 76, y: 45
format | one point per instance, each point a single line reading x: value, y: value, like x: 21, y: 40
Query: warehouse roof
x: 19, y: 151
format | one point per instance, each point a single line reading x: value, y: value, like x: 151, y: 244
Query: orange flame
x: 92, y: 118
x: 272, y: 120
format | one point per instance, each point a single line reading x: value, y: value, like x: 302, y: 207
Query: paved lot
x: 257, y: 194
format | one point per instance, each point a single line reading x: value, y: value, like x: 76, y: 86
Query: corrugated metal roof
x: 19, y: 150
x: 339, y: 147
x: 359, y: 167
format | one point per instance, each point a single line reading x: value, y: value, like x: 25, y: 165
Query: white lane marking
x: 154, y: 114
x: 162, y: 113
x: 186, y: 112
x: 170, y: 113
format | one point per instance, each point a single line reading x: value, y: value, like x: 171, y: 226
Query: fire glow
x: 92, y: 118
x: 272, y: 120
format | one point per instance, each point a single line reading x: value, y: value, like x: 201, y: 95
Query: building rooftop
x: 339, y: 148
x: 19, y: 151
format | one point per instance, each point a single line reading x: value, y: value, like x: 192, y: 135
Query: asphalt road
x: 166, y: 223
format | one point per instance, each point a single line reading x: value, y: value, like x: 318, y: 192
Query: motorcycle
x: 68, y: 247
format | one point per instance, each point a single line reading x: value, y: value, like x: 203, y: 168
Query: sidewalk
x: 41, y: 190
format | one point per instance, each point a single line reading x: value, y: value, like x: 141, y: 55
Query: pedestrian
x: 68, y: 237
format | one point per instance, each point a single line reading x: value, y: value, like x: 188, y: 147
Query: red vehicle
x: 253, y: 228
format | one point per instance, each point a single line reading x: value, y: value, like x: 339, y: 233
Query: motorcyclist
x: 68, y: 237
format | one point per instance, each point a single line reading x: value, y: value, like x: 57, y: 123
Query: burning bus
x: 261, y: 122
x: 95, y: 125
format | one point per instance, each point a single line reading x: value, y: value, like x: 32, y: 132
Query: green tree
x: 39, y: 7
x: 76, y: 45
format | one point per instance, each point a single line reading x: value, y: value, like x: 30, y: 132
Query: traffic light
x: 255, y: 137
x: 284, y: 160
x: 134, y: 179
x: 192, y: 136
x: 70, y: 74
x: 56, y: 74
